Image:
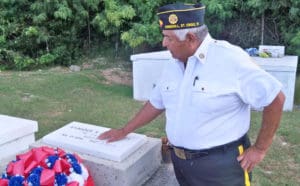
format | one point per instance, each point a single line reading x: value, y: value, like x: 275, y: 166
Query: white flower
x: 76, y: 177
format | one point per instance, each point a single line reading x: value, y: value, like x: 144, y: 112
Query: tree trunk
x: 262, y: 28
x: 89, y: 32
x: 117, y: 44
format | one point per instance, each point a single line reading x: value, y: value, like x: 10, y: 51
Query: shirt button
x: 201, y: 56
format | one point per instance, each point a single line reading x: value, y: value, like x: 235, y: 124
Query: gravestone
x: 127, y: 162
x: 83, y: 139
x: 283, y: 69
x: 16, y: 135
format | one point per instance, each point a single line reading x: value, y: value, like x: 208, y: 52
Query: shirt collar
x: 201, y: 52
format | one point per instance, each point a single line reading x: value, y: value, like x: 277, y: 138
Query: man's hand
x: 144, y: 116
x: 113, y: 135
x: 251, y: 157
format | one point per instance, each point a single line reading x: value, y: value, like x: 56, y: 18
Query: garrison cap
x: 180, y: 16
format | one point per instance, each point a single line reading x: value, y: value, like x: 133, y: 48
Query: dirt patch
x: 111, y: 75
x: 117, y: 75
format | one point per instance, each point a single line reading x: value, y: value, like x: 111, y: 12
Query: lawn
x: 56, y: 97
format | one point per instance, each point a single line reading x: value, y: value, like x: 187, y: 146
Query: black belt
x: 187, y: 154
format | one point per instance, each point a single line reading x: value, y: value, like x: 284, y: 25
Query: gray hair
x: 200, y: 32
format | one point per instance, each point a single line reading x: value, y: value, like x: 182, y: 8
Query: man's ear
x: 191, y: 37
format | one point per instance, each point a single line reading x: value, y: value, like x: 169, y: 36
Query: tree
x: 112, y: 20
x: 280, y: 22
x: 145, y: 27
x: 36, y: 33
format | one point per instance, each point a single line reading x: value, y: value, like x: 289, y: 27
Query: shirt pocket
x: 169, y: 92
x: 209, y: 98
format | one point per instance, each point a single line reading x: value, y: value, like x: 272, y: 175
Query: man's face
x: 178, y: 49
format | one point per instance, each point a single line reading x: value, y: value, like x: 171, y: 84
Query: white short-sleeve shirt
x: 208, y: 103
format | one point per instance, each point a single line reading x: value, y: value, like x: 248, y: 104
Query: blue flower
x: 37, y: 171
x: 71, y: 158
x: 77, y: 168
x: 16, y: 181
x: 61, y: 179
x: 5, y: 176
x: 51, y: 160
x: 34, y: 179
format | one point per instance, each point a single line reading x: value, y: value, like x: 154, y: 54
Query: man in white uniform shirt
x: 206, y: 92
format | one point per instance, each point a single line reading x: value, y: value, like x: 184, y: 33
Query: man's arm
x: 144, y: 116
x: 270, y: 122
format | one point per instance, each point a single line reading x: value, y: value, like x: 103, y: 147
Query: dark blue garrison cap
x: 181, y: 16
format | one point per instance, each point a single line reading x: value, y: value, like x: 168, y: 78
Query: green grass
x: 281, y: 166
x: 57, y: 97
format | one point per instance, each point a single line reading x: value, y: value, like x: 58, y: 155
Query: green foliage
x: 218, y: 12
x: 142, y: 33
x: 220, y: 9
x: 63, y: 12
x: 281, y: 20
x: 61, y: 31
x: 2, y: 40
x: 47, y: 59
x: 6, y: 58
x: 295, y: 43
x: 46, y: 32
x: 31, y: 31
x: 22, y: 62
x: 145, y: 27
x: 113, y: 17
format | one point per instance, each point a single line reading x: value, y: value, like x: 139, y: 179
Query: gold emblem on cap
x: 161, y: 23
x: 201, y: 56
x: 173, y: 18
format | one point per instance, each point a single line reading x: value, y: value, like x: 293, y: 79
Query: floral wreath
x: 46, y: 166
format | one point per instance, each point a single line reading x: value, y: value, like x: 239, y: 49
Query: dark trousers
x: 218, y: 168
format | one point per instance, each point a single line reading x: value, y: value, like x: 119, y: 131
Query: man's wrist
x: 260, y: 149
x: 125, y: 130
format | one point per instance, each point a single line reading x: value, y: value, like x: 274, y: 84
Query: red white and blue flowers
x: 46, y: 166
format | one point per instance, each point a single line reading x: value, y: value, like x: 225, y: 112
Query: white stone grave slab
x: 128, y: 162
x: 146, y: 70
x: 82, y: 138
x: 283, y: 69
x: 16, y: 135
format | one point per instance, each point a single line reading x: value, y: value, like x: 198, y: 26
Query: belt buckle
x: 180, y: 153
